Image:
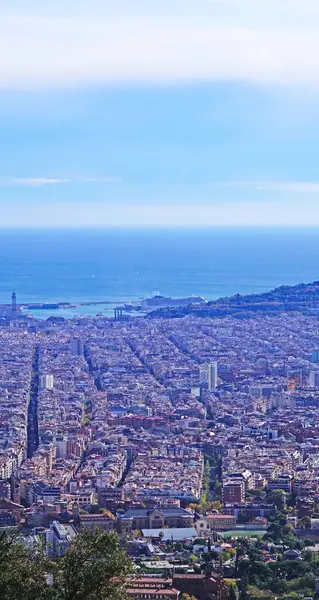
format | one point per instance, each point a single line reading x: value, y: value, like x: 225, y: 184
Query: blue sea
x: 116, y: 265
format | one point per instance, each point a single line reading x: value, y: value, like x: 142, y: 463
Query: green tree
x: 217, y: 487
x: 20, y: 575
x: 305, y: 523
x: 308, y: 542
x: 291, y: 499
x: 255, y: 555
x: 277, y: 497
x: 94, y: 568
x: 243, y: 587
x: 255, y: 493
x: 292, y: 596
x: 232, y: 593
x: 307, y: 555
x: 289, y: 530
x: 216, y: 505
x: 308, y: 581
x: 275, y: 531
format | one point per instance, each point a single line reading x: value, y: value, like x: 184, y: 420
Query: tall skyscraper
x: 208, y: 375
x: 14, y: 305
x: 46, y: 382
x: 212, y: 376
x: 203, y: 374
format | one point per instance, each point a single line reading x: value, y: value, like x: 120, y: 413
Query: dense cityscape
x: 183, y: 435
x: 159, y: 300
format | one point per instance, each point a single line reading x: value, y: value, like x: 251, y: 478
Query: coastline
x: 108, y: 265
x: 303, y: 297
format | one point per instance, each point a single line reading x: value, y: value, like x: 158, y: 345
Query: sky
x: 159, y: 113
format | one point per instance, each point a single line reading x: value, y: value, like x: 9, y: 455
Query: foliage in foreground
x: 94, y: 568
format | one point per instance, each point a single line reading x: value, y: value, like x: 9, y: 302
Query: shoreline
x: 303, y: 297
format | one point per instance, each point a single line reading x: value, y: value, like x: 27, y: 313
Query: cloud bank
x: 271, y: 43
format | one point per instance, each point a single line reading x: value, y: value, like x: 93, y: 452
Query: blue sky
x: 151, y: 112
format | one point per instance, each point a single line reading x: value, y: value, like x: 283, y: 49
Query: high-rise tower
x: 46, y: 382
x: 212, y: 376
x: 14, y: 305
x: 208, y: 375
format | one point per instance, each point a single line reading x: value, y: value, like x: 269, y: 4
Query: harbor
x: 106, y: 308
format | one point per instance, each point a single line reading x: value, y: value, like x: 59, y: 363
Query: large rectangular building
x: 233, y: 491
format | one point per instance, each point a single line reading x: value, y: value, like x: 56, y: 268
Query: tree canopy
x: 94, y: 568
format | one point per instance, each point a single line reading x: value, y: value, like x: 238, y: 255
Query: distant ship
x: 128, y: 306
x: 158, y: 301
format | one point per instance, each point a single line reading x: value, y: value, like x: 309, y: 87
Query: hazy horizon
x: 153, y: 227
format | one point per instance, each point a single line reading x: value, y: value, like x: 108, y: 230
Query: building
x: 177, y: 534
x: 10, y: 509
x: 160, y: 301
x: 292, y: 555
x: 208, y: 375
x: 10, y: 311
x: 60, y: 442
x: 7, y: 519
x: 110, y: 498
x: 215, y: 523
x: 284, y: 482
x: 152, y: 588
x: 77, y: 347
x: 105, y: 521
x: 46, y: 382
x: 212, y: 376
x: 202, y: 586
x: 14, y: 305
x: 152, y: 594
x: 59, y: 538
x: 245, y: 476
x: 156, y: 518
x: 233, y: 491
x: 5, y: 489
x: 48, y: 494
x: 315, y: 356
x: 314, y: 378
x: 82, y: 497
x: 250, y: 510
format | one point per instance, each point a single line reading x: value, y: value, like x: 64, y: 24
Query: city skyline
x: 172, y: 113
x: 159, y: 300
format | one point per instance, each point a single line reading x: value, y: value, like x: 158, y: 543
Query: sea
x: 117, y: 265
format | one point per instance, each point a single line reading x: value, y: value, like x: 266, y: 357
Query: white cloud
x: 41, y: 181
x: 31, y: 181
x: 256, y: 41
x: 300, y: 187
